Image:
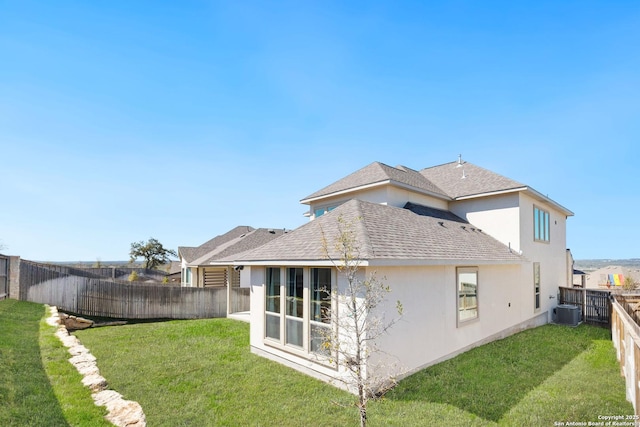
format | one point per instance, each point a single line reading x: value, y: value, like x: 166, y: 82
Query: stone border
x: 122, y: 413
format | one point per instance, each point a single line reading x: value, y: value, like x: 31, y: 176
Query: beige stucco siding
x: 429, y: 331
x: 551, y: 255
x: 497, y: 216
x: 386, y: 195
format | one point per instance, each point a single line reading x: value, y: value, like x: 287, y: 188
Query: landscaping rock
x: 95, y: 382
x: 74, y: 323
x: 122, y: 413
x: 78, y: 349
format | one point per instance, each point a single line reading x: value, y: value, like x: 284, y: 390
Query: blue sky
x: 125, y: 120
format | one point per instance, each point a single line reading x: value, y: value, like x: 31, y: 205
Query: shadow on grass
x: 489, y: 380
x: 26, y: 396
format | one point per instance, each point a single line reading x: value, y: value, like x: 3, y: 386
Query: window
x: 186, y: 276
x: 467, y: 288
x: 540, y: 225
x: 273, y: 303
x: 302, y: 318
x: 320, y: 322
x: 321, y: 211
x: 295, y: 306
x: 536, y: 285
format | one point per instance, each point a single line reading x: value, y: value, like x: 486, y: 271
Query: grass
x: 537, y: 377
x: 201, y: 373
x: 38, y: 386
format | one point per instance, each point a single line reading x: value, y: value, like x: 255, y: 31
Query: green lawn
x: 38, y: 386
x: 201, y: 373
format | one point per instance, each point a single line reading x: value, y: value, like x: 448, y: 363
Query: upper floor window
x: 321, y: 211
x: 540, y: 225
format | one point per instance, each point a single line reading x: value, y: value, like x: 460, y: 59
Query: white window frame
x: 463, y: 321
x: 536, y: 286
x: 281, y: 342
x: 188, y: 277
x: 321, y: 210
x: 541, y: 225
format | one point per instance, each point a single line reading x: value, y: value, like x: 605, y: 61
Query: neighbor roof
x: 387, y: 235
x: 242, y: 243
x: 189, y: 253
x: 379, y: 173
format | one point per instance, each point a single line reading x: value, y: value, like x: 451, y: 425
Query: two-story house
x: 472, y: 256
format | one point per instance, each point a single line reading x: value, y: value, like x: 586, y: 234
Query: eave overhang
x: 533, y: 193
x: 310, y: 200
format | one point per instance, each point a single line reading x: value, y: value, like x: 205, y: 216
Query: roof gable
x: 245, y: 242
x: 190, y: 253
x: 460, y: 179
x: 378, y: 173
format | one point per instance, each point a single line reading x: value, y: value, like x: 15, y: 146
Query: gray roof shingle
x: 477, y: 180
x: 190, y: 253
x: 379, y: 172
x: 388, y: 233
x: 245, y: 242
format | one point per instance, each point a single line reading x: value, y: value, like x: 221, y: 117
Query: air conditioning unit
x: 568, y: 314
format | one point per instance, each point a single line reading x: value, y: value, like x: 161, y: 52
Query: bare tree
x: 351, y: 341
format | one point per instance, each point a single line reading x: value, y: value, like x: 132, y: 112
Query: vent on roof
x: 459, y: 161
x: 441, y: 223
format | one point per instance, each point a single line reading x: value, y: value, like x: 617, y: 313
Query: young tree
x: 351, y: 341
x: 629, y: 284
x: 152, y: 251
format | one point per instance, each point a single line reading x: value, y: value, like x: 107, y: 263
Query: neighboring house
x: 611, y: 277
x: 579, y: 278
x: 471, y: 255
x: 210, y: 265
x: 174, y: 273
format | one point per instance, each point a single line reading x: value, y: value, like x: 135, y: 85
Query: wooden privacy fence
x: 240, y: 300
x: 95, y: 296
x: 625, y: 334
x: 595, y: 304
x: 4, y: 276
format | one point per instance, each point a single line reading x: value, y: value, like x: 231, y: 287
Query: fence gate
x: 595, y: 304
x: 4, y: 277
x: 597, y: 307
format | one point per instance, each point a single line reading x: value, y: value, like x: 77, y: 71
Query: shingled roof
x: 190, y: 253
x: 466, y: 179
x: 387, y: 234
x: 225, y: 252
x: 379, y: 173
